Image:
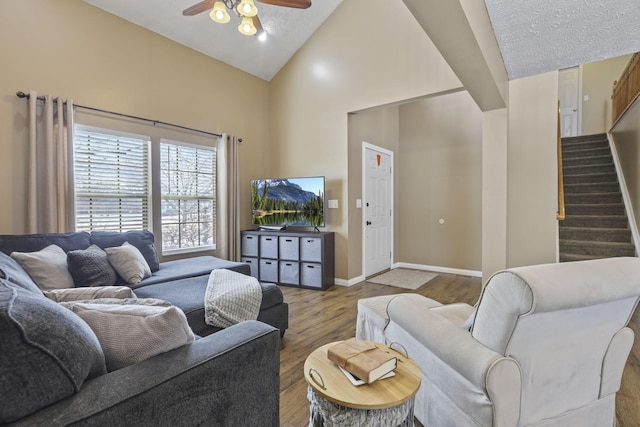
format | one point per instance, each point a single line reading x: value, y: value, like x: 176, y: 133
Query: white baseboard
x: 461, y: 272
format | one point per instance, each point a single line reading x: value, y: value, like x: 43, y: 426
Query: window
x: 111, y: 181
x: 188, y: 182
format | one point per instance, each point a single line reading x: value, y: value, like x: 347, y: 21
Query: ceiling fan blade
x: 297, y: 4
x: 199, y: 7
x: 258, y: 25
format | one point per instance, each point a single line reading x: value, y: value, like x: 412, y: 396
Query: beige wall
x: 597, y: 84
x: 440, y: 177
x: 532, y: 170
x: 353, y: 62
x: 71, y: 49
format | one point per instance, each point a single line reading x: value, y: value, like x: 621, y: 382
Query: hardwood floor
x: 317, y: 318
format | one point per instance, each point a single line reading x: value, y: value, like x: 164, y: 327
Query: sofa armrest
x: 487, y: 371
x: 229, y: 378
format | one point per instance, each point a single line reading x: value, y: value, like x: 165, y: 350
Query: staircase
x: 596, y: 224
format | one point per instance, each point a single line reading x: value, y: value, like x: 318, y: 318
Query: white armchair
x: 547, y: 346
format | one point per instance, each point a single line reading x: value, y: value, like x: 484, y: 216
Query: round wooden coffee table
x: 388, y: 400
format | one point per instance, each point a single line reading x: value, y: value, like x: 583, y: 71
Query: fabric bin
x: 311, y: 249
x: 268, y: 270
x: 249, y: 245
x: 269, y: 247
x: 289, y: 247
x: 253, y: 264
x: 289, y: 273
x: 311, y: 274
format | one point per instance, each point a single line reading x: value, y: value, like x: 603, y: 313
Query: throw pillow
x: 90, y: 267
x: 47, y: 267
x: 90, y: 293
x: 132, y: 333
x: 141, y: 239
x: 46, y: 352
x: 129, y: 263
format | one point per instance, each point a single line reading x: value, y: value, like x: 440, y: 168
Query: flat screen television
x: 288, y: 202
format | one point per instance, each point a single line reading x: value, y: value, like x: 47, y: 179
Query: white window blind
x: 111, y: 181
x: 188, y: 182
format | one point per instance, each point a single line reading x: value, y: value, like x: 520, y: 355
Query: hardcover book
x: 363, y: 359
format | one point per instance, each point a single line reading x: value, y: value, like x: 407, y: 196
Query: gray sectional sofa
x: 52, y: 365
x: 182, y: 282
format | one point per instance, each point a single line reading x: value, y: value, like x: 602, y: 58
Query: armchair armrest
x: 490, y: 372
x: 229, y: 378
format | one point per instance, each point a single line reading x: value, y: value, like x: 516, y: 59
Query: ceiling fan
x: 245, y: 9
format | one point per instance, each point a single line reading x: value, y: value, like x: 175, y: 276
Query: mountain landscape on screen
x: 288, y: 202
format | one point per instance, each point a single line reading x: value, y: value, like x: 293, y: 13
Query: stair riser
x: 582, y: 170
x: 590, y: 145
x: 591, y: 178
x: 599, y: 210
x: 597, y: 222
x: 595, y: 249
x: 587, y: 161
x: 603, y: 151
x: 591, y: 188
x: 592, y: 199
x: 597, y: 235
x: 585, y: 138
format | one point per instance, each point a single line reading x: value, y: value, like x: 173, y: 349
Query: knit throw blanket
x: 231, y: 298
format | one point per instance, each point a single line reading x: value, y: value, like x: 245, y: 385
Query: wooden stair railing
x: 561, y: 214
x: 627, y: 88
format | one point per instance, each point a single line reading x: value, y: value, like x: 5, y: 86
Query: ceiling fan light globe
x: 219, y: 13
x: 247, y: 8
x: 246, y: 27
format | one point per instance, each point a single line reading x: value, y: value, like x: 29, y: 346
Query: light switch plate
x: 333, y: 204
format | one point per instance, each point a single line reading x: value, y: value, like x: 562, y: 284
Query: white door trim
x: 365, y: 146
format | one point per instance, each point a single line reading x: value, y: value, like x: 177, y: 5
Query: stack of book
x: 362, y: 359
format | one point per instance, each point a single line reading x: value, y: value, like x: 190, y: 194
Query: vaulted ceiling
x: 534, y: 36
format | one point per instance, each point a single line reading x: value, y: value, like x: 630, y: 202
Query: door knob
x: 368, y: 222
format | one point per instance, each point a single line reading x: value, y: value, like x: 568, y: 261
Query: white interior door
x: 377, y: 209
x: 569, y: 94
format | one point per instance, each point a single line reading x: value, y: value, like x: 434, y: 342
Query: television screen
x: 297, y: 202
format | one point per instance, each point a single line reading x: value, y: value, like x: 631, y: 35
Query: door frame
x: 365, y: 146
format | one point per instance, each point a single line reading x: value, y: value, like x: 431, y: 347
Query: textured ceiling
x: 536, y: 36
x: 288, y: 29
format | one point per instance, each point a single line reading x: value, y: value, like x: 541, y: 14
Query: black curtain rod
x: 21, y: 94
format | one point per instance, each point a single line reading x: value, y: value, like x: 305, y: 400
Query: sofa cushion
x: 76, y: 294
x: 90, y: 267
x: 134, y: 331
x: 46, y: 352
x: 11, y: 270
x: 188, y: 295
x: 35, y: 242
x: 141, y: 239
x: 128, y: 262
x: 47, y: 267
x: 192, y: 267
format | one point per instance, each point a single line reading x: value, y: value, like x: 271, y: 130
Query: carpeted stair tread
x: 591, y: 178
x: 565, y: 257
x: 590, y: 152
x: 592, y: 198
x: 621, y: 235
x: 579, y: 139
x: 586, y: 160
x: 604, y: 249
x: 596, y: 221
x: 588, y: 145
x: 585, y: 169
x: 599, y: 187
x: 605, y: 209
